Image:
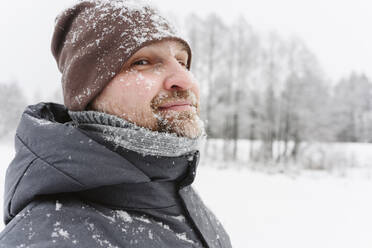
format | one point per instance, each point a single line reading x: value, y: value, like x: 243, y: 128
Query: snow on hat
x: 93, y: 39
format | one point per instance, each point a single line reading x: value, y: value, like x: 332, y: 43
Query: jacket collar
x: 161, y: 192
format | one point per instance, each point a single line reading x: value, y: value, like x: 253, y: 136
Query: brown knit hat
x: 93, y: 39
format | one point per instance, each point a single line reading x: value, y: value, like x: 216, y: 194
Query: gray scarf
x: 132, y: 137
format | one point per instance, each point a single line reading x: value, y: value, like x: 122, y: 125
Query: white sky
x: 337, y: 31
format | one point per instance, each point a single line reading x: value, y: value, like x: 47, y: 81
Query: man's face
x: 155, y: 90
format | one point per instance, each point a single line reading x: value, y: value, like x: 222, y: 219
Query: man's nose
x: 177, y: 77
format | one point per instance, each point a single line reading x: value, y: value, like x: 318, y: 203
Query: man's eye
x: 141, y: 62
x: 182, y: 63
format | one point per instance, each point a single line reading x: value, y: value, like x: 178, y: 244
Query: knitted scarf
x: 132, y: 137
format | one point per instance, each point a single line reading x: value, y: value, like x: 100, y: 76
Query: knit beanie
x: 93, y: 39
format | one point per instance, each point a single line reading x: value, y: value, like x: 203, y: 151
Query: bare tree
x: 12, y: 102
x: 352, y: 107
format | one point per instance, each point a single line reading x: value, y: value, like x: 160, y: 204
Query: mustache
x: 185, y: 95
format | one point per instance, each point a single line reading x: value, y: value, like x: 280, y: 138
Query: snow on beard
x: 182, y: 123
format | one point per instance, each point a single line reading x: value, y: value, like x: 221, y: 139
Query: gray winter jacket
x: 65, y: 189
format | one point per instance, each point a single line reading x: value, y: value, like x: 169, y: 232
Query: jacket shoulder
x: 48, y: 224
x: 70, y: 222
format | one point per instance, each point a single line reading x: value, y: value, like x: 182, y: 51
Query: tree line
x: 263, y: 87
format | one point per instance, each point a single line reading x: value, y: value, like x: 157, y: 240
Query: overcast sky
x: 337, y: 31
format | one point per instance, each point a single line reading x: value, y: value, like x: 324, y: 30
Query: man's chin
x: 188, y: 130
x: 183, y: 124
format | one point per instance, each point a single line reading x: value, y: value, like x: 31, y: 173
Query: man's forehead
x: 170, y: 45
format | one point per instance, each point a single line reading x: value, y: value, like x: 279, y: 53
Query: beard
x: 185, y: 123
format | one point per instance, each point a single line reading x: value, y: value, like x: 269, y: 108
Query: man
x: 113, y: 167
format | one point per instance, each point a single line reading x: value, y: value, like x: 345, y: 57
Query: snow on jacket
x: 64, y: 189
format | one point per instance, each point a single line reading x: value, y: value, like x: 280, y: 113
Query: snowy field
x: 313, y: 209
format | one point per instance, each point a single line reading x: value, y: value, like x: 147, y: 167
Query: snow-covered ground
x: 264, y: 211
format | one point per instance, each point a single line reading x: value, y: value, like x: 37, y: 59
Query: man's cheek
x: 144, y: 96
x: 150, y: 84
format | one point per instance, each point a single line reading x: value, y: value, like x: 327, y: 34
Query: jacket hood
x: 52, y: 157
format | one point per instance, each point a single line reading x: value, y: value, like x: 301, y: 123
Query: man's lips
x: 180, y: 105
